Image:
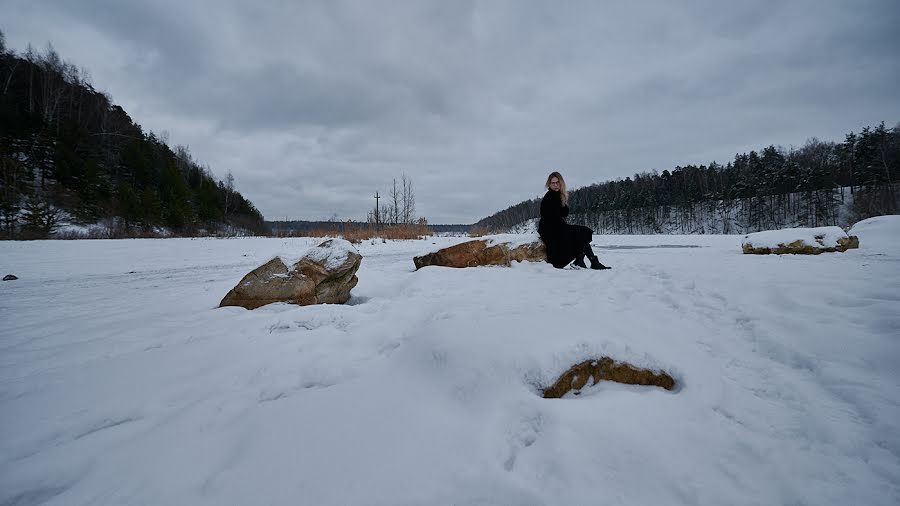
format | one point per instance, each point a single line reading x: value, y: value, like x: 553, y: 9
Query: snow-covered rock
x: 325, y: 274
x: 805, y: 241
x: 489, y: 250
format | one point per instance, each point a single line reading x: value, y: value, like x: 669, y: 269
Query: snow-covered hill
x: 121, y: 382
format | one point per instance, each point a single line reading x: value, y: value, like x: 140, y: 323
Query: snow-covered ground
x: 121, y: 382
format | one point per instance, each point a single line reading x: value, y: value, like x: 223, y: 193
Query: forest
x: 68, y: 154
x: 821, y: 183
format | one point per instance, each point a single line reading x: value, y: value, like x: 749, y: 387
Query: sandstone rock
x: 801, y: 241
x: 332, y: 265
x: 531, y: 252
x: 484, y: 251
x: 324, y: 275
x: 609, y: 370
x: 9, y: 277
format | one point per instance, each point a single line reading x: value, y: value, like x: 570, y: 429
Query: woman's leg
x: 579, y: 260
x: 581, y: 236
x: 595, y: 262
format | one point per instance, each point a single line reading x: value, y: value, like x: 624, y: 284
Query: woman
x: 564, y: 242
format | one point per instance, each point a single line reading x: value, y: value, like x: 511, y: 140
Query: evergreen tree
x: 61, y: 138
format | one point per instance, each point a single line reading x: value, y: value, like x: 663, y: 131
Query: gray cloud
x: 314, y: 106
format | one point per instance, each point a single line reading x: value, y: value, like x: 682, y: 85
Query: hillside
x: 70, y: 155
x: 821, y: 183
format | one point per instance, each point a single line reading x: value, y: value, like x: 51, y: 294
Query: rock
x: 332, y: 265
x: 9, y: 277
x: 606, y: 369
x: 486, y: 251
x: 531, y: 252
x: 801, y: 241
x: 324, y: 275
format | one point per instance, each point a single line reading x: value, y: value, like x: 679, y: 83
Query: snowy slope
x: 121, y: 382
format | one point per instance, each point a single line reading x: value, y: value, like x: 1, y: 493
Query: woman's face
x: 554, y: 184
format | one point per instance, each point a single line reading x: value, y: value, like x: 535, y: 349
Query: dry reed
x: 357, y: 233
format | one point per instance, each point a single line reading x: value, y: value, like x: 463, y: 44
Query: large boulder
x: 606, y: 369
x: 802, y: 241
x: 324, y: 275
x: 486, y: 251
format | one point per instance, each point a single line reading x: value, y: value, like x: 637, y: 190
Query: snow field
x: 121, y: 382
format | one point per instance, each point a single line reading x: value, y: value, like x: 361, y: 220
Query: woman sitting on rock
x: 564, y: 242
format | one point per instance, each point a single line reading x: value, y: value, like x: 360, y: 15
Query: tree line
x: 815, y: 185
x: 67, y: 152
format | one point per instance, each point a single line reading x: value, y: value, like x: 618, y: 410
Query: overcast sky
x: 315, y: 106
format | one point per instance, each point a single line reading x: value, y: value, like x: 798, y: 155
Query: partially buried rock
x: 324, y: 275
x: 799, y: 241
x: 9, y: 277
x: 486, y: 251
x: 606, y: 369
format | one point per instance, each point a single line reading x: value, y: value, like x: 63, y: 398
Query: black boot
x: 595, y: 262
x: 596, y: 265
x: 579, y: 262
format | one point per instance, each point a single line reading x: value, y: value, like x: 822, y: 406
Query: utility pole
x: 377, y: 214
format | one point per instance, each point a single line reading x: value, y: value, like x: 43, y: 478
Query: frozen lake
x: 121, y: 382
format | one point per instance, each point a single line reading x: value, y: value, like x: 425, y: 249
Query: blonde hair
x: 563, y: 193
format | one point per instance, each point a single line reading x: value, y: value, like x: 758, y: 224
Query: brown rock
x: 483, y: 252
x: 609, y: 370
x: 334, y: 277
x: 324, y: 275
x: 851, y: 242
x: 531, y: 252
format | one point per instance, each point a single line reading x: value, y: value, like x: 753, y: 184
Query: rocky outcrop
x: 484, y: 252
x: 799, y: 241
x: 605, y: 369
x: 324, y: 275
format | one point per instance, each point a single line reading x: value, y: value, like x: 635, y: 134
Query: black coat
x: 564, y: 242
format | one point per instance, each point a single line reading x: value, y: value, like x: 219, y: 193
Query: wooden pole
x: 377, y: 214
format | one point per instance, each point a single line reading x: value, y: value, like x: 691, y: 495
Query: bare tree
x: 183, y: 159
x: 16, y: 61
x: 31, y: 58
x: 85, y: 77
x: 229, y: 191
x: 52, y: 84
x: 388, y: 213
x: 400, y: 207
x: 396, y: 200
x: 408, y: 200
